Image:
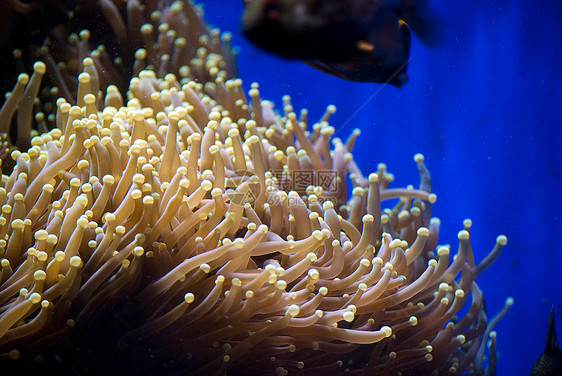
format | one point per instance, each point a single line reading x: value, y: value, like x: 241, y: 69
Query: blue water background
x: 486, y: 111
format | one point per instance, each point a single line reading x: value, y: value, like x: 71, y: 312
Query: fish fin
x: 406, y: 35
x: 325, y: 69
x: 551, y: 339
x: 558, y: 310
x: 403, y: 78
x: 424, y: 22
x: 397, y: 79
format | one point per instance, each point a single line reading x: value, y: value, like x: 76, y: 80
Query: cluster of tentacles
x: 171, y: 223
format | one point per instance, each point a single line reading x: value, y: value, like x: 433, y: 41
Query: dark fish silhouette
x: 357, y: 40
x: 550, y: 362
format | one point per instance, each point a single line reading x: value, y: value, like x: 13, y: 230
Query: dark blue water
x: 486, y: 111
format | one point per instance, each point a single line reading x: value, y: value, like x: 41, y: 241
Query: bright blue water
x: 486, y: 111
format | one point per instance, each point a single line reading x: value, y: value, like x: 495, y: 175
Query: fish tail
x: 423, y: 21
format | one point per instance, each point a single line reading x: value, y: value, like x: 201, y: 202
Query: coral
x: 182, y: 227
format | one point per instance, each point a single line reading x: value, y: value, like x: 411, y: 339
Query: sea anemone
x: 182, y: 227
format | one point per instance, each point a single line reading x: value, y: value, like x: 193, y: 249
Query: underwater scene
x: 280, y: 187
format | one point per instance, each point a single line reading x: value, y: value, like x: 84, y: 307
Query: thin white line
x: 345, y: 123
